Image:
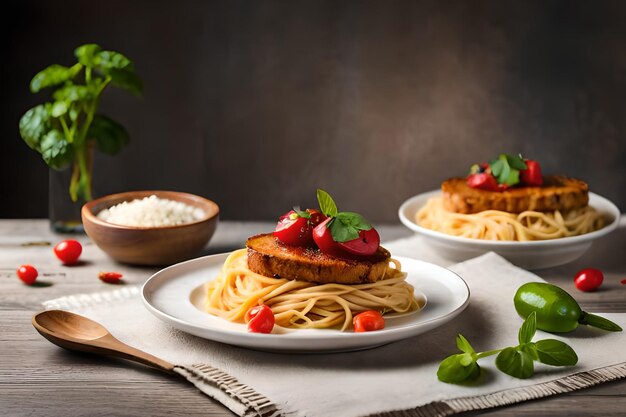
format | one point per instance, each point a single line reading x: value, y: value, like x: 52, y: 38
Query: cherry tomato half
x: 483, y: 181
x: 260, y: 319
x: 532, y: 174
x: 110, y: 277
x: 27, y: 273
x: 294, y: 230
x: 588, y: 279
x: 368, y: 321
x: 365, y: 245
x: 68, y: 251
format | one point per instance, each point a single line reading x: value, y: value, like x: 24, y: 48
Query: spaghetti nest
x: 303, y: 304
x: 501, y: 225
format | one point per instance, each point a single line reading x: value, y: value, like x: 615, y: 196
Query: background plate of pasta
x: 532, y: 240
x: 178, y: 296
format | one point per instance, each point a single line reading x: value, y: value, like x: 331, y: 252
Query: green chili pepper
x: 557, y: 311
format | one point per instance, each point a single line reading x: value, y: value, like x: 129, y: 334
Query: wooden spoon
x: 74, y: 332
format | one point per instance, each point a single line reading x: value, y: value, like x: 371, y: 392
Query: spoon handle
x: 109, y: 345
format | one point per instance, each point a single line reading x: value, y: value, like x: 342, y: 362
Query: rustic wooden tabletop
x: 40, y: 379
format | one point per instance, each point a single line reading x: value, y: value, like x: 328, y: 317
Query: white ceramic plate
x: 530, y: 255
x: 175, y: 295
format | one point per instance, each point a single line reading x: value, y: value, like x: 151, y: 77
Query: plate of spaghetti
x: 178, y: 295
x: 534, y: 221
x: 320, y: 282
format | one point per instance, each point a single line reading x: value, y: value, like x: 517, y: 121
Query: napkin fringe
x: 78, y: 301
x: 213, y: 382
x: 515, y: 395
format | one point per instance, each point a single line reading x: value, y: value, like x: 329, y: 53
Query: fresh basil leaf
x: 512, y: 178
x: 86, y: 54
x: 327, y: 205
x: 528, y: 329
x: 53, y: 75
x: 34, y: 124
x: 556, y: 353
x: 463, y: 344
x: 516, y: 363
x: 110, y: 136
x: 531, y: 349
x: 347, y: 226
x: 342, y: 232
x: 496, y: 167
x: 59, y: 108
x: 105, y: 61
x: 516, y: 162
x: 56, y: 151
x: 127, y: 80
x: 452, y: 369
x: 302, y: 213
x: 71, y: 93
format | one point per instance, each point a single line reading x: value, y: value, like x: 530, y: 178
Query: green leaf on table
x: 34, y: 124
x: 53, y: 75
x: 327, y: 205
x: 528, y: 329
x: 515, y: 362
x: 463, y: 344
x: 127, y: 80
x: 556, y: 353
x: 56, y: 151
x: 458, y: 368
x: 110, y: 136
x: 85, y: 54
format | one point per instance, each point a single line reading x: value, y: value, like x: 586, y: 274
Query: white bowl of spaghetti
x: 545, y: 252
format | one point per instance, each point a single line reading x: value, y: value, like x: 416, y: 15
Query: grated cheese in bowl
x: 151, y: 212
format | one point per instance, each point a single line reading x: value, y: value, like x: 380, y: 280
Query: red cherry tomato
x: 368, y: 321
x: 483, y: 181
x: 68, y: 251
x: 532, y: 174
x: 365, y: 245
x: 588, y: 279
x: 260, y: 319
x: 27, y: 273
x: 298, y: 231
x: 110, y: 277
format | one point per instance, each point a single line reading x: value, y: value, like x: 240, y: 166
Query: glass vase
x: 64, y: 213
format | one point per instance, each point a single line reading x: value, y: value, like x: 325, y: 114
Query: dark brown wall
x: 255, y: 104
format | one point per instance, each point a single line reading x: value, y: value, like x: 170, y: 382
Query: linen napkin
x: 396, y: 379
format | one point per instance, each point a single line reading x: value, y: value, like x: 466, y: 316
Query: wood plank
x: 38, y: 379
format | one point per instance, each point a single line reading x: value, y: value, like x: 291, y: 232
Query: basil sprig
x: 506, y: 168
x: 516, y: 361
x: 344, y: 226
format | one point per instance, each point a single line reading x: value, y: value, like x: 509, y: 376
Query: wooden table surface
x: 40, y: 379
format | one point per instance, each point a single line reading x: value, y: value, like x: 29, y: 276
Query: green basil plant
x: 63, y: 131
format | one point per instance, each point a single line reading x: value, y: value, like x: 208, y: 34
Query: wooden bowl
x: 150, y: 245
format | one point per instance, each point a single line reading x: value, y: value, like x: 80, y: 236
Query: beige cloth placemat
x: 397, y: 377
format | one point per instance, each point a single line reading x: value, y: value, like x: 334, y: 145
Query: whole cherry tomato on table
x: 296, y: 228
x: 27, y: 273
x: 260, y: 319
x: 588, y: 279
x: 368, y: 321
x: 68, y: 251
